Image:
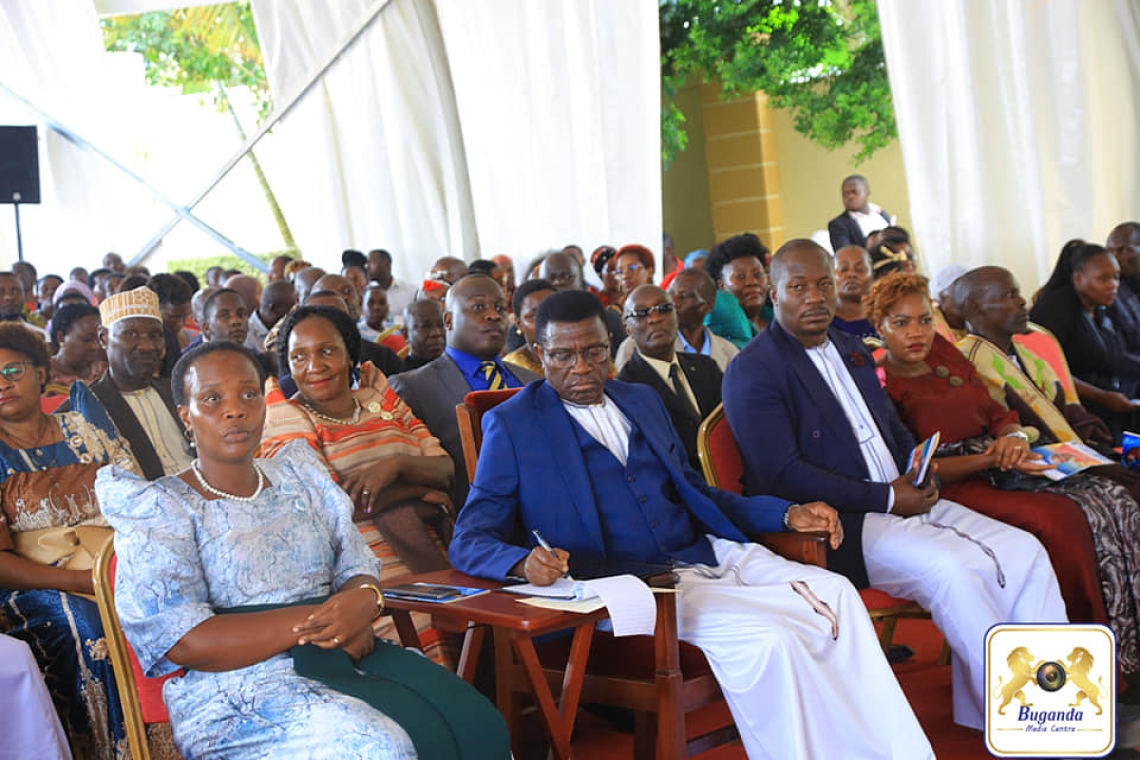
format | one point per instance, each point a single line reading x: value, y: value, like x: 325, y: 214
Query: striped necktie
x: 495, y: 381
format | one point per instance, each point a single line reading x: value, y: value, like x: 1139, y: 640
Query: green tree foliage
x: 195, y: 49
x: 208, y: 48
x: 822, y: 59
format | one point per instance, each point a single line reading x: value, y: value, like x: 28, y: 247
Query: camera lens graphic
x: 1051, y: 676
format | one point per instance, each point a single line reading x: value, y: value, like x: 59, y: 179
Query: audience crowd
x: 268, y: 452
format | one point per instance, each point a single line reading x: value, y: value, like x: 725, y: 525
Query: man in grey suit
x: 476, y: 324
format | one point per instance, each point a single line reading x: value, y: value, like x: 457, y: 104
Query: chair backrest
x: 1042, y: 342
x: 720, y: 457
x: 470, y: 417
x: 141, y: 696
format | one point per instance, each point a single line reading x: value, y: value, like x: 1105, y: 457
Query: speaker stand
x: 19, y: 238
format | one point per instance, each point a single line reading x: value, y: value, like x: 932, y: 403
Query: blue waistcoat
x: 642, y: 518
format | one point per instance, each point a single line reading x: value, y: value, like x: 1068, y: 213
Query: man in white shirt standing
x: 860, y: 217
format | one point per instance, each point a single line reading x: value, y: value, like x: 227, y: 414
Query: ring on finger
x: 336, y: 640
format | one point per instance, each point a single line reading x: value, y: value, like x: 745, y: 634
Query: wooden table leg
x: 505, y: 698
x: 469, y: 655
x: 406, y: 629
x: 671, y: 740
x: 558, y: 720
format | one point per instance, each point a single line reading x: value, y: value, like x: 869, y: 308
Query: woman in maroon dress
x: 1086, y: 523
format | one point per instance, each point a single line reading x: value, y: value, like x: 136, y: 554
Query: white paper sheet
x: 629, y: 601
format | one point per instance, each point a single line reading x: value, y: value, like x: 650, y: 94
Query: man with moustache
x: 476, y: 322
x: 595, y: 467
x: 689, y: 384
x: 812, y: 422
x: 140, y: 405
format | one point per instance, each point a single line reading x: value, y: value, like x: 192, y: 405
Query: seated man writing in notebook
x: 596, y: 468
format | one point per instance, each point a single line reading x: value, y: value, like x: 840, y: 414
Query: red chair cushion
x: 149, y: 689
x: 726, y: 460
x: 483, y: 401
x: 873, y: 599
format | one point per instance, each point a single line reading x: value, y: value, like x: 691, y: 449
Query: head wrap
x: 73, y: 286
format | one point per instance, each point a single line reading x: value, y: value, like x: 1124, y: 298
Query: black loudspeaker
x: 19, y: 165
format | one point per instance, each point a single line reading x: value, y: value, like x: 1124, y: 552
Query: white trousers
x: 29, y: 726
x: 971, y: 572
x: 795, y: 689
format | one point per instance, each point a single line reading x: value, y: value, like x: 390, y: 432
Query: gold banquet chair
x: 141, y: 696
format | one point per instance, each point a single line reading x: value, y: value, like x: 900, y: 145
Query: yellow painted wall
x: 811, y: 175
x: 686, y: 204
x: 809, y: 178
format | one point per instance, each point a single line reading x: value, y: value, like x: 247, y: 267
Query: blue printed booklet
x: 1068, y: 459
x: 1130, y: 450
x: 920, y: 460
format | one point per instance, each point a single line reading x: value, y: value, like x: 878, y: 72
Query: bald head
x: 562, y: 270
x: 798, y: 249
x: 276, y: 300
x: 1124, y: 243
x: 449, y: 269
x: 991, y: 303
x: 304, y: 280
x: 476, y: 316
x: 248, y: 287
x: 343, y: 287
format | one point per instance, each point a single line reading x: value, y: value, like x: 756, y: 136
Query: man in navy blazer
x: 813, y: 422
x: 596, y: 467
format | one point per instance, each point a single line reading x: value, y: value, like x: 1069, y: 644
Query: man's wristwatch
x: 379, y: 597
x: 787, y: 515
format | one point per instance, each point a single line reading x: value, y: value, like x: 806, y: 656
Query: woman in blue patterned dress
x: 47, y: 505
x: 251, y: 575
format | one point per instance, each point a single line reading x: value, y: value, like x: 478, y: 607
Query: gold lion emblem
x: 1080, y: 662
x: 1021, y: 668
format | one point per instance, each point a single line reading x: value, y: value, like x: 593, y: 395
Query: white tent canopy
x: 444, y: 128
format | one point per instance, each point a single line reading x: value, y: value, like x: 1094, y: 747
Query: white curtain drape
x: 560, y: 109
x: 372, y: 156
x: 467, y: 129
x: 87, y: 207
x: 1017, y: 121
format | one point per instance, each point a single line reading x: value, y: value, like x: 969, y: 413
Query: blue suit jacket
x: 795, y: 439
x: 531, y: 475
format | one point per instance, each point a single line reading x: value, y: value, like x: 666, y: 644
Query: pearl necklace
x: 327, y: 418
x: 216, y: 492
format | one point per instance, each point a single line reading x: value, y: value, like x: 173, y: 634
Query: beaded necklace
x: 217, y: 492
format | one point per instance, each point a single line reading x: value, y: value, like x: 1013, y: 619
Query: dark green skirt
x: 446, y: 718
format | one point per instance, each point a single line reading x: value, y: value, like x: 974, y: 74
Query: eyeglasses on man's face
x: 639, y: 314
x: 565, y: 357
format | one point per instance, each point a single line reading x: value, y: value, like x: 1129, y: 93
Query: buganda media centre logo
x: 1051, y: 690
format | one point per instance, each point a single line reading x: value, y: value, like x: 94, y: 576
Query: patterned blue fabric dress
x: 181, y: 556
x: 51, y: 487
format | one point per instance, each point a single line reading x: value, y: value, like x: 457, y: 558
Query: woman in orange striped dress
x: 385, y: 458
